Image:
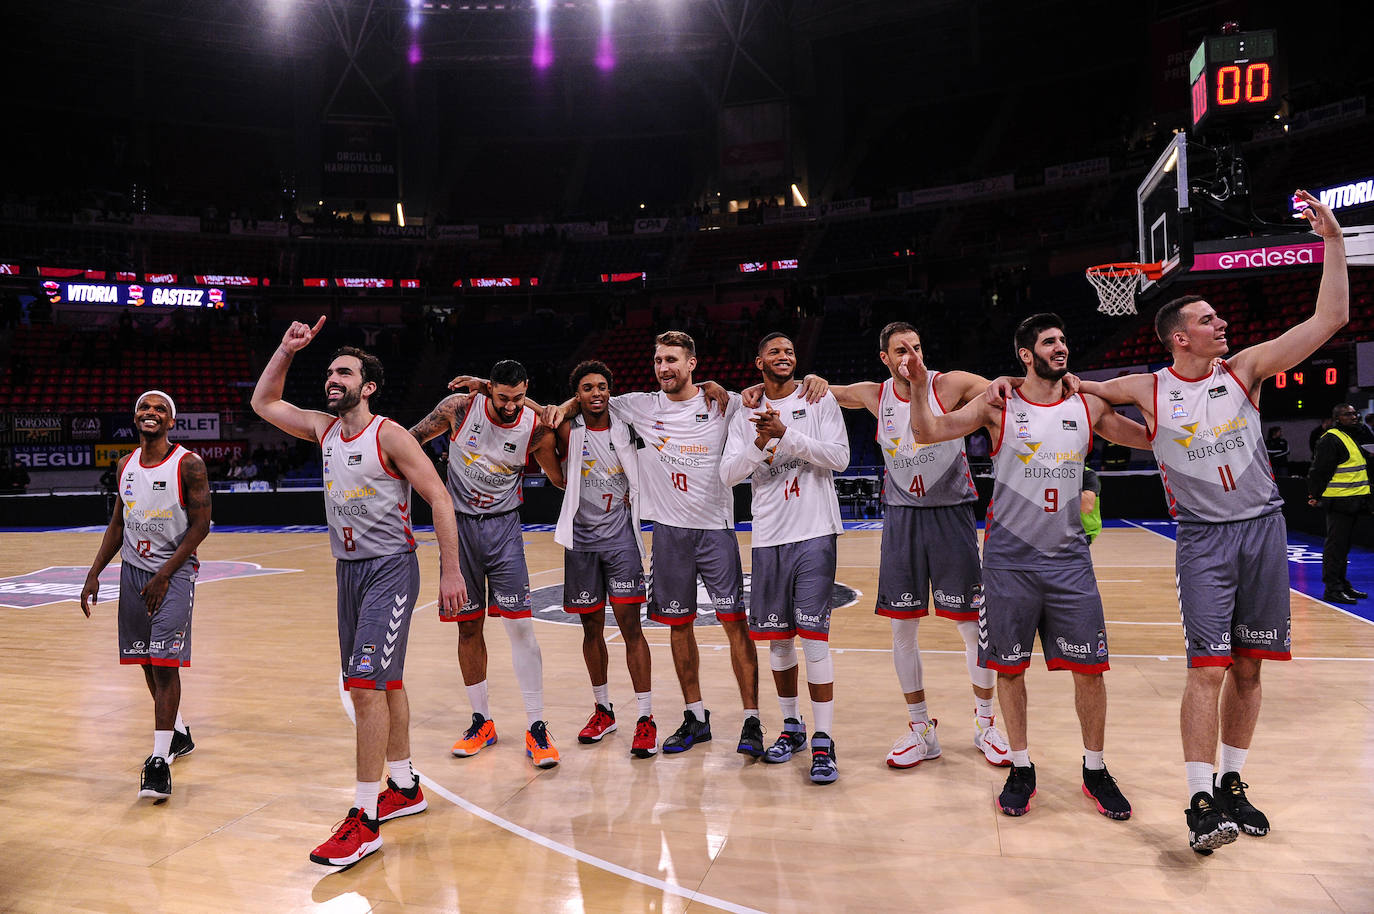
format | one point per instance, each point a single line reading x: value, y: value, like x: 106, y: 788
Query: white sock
x: 602, y: 694
x: 365, y: 797
x: 983, y: 707
x: 534, y: 707
x: 162, y: 743
x: 698, y: 709
x: 1232, y: 759
x: 1093, y: 760
x: 180, y: 725
x: 1020, y: 758
x: 918, y: 712
x: 401, y: 773
x: 645, y: 700
x: 477, y: 697
x: 791, y: 706
x: 751, y: 712
x: 1199, y: 777
x: 825, y: 715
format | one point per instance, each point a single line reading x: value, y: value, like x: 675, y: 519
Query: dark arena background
x: 455, y: 183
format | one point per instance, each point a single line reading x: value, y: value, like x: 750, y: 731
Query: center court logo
x: 547, y: 604
x: 64, y: 582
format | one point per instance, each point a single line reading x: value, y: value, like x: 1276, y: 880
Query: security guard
x: 1339, y: 480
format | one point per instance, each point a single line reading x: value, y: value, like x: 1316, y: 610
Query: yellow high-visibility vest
x: 1351, y: 477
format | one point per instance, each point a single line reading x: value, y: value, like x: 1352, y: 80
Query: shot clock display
x: 1310, y: 388
x: 1235, y: 79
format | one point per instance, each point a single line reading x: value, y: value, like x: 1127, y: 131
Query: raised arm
x: 267, y: 402
x: 547, y: 457
x: 1115, y: 427
x: 409, y: 460
x: 109, y: 545
x: 1264, y: 360
x: 929, y: 428
x: 443, y: 419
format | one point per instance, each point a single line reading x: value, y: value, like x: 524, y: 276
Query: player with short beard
x: 1037, y: 572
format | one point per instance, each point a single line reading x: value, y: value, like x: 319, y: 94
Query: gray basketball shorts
x: 376, y: 600
x: 790, y: 587
x: 1061, y: 603
x: 679, y: 556
x: 592, y: 576
x: 165, y: 638
x: 491, y: 554
x: 1233, y: 590
x: 924, y: 548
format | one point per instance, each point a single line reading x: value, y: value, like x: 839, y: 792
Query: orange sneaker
x: 539, y: 746
x: 481, y: 734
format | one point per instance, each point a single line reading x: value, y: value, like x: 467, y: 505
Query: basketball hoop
x: 1117, y: 284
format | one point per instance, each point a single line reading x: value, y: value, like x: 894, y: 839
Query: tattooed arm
x: 443, y: 419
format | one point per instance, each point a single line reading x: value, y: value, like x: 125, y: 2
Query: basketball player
x: 1231, y: 556
x: 163, y: 517
x: 603, y: 557
x: 930, y: 539
x: 789, y: 452
x: 694, y: 528
x: 370, y: 465
x: 490, y: 438
x: 1037, y: 573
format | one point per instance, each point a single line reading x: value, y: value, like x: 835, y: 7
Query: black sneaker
x: 823, y: 767
x: 1101, y: 788
x: 156, y: 782
x: 790, y: 741
x: 1339, y: 596
x: 1208, y: 826
x: 1017, y: 792
x: 751, y: 738
x: 691, y: 732
x: 1230, y: 798
x: 182, y: 744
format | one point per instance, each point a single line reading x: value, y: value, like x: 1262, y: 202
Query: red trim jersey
x: 919, y: 475
x: 155, y: 519
x: 1209, y: 444
x: 486, y: 459
x: 1033, y: 520
x: 366, y: 505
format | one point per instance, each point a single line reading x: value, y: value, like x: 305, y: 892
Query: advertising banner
x: 52, y: 456
x: 196, y: 427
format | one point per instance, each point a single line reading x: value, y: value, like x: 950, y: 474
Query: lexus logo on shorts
x: 547, y: 604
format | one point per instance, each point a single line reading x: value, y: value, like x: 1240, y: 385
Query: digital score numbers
x: 1234, y: 79
x: 1310, y: 388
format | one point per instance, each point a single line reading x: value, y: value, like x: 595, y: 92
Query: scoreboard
x: 1310, y: 388
x: 1235, y: 79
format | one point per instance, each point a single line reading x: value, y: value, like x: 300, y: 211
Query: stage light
x: 641, y: 206
x: 543, y: 38
x: 605, y: 47
x: 797, y: 197
x: 400, y: 214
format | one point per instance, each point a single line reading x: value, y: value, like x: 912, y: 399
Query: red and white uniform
x: 486, y: 459
x: 155, y: 520
x: 366, y: 505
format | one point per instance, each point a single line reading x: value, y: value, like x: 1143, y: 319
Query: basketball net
x: 1117, y: 284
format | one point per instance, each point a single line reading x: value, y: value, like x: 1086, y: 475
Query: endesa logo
x: 1260, y: 258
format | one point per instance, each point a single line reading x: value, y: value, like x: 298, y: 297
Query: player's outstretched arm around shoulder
x: 546, y: 455
x: 1264, y: 360
x: 109, y: 545
x: 1115, y: 427
x: 442, y: 420
x: 928, y: 428
x: 406, y: 455
x: 861, y: 395
x: 308, y: 424
x: 1136, y: 390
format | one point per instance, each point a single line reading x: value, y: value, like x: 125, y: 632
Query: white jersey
x: 920, y: 475
x: 679, y: 468
x: 1033, y: 518
x: 793, y: 476
x: 366, y: 506
x: 1208, y: 443
x: 155, y: 520
x: 486, y: 460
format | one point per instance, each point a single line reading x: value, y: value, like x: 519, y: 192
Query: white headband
x: 170, y: 402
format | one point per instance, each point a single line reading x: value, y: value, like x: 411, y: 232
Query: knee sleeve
x: 782, y: 654
x: 983, y: 679
x: 819, y: 667
x: 906, y: 654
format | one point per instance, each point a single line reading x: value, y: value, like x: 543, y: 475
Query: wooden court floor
x: 706, y: 830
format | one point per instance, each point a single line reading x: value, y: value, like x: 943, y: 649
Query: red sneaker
x: 645, y: 742
x: 354, y: 838
x: 395, y: 802
x: 599, y: 724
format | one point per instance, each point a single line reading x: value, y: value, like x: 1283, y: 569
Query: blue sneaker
x: 691, y: 732
x: 791, y: 741
x: 823, y: 767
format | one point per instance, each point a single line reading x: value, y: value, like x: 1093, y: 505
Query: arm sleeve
x: 740, y: 456
x: 1092, y: 482
x: 830, y: 450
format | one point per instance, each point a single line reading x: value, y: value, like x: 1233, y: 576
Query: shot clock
x: 1235, y: 79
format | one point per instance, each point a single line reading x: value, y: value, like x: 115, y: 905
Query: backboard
x: 1164, y: 216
